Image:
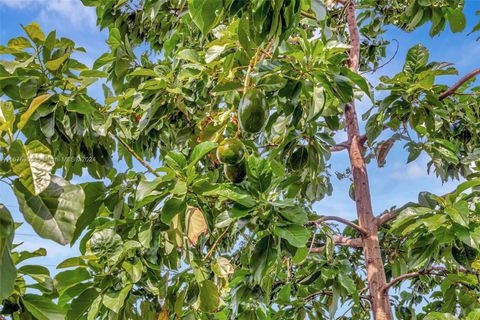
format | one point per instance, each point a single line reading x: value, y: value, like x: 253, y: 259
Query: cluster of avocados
x: 252, y: 116
x: 231, y: 152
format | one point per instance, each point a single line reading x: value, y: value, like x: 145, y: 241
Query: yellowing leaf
x: 34, y: 32
x: 196, y: 224
x: 7, y: 116
x: 33, y: 106
x: 53, y: 65
x: 177, y: 237
x: 163, y: 315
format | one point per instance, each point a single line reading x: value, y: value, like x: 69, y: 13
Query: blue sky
x: 395, y: 184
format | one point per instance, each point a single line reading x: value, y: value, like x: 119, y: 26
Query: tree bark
x: 371, y: 247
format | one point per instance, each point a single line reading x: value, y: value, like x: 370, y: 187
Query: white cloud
x: 413, y: 170
x: 76, y: 14
x: 17, y: 4
x: 60, y: 14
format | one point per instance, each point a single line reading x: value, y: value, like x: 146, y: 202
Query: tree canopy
x: 226, y: 123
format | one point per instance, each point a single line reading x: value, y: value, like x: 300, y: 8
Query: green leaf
x: 439, y: 316
x: 360, y: 81
x: 318, y: 7
x: 35, y: 33
x: 94, y: 196
x: 457, y: 20
x: 7, y: 116
x: 82, y: 304
x: 54, y: 65
x: 171, y: 208
x: 459, y: 213
x: 204, y: 13
x: 200, y: 151
x: 417, y: 59
x: 42, y: 308
x: 115, y: 300
x: 232, y: 193
x: 105, y: 244
x: 54, y: 212
x: 467, y: 185
x: 263, y: 257
x: 32, y: 164
x: 343, y: 88
x: 32, y: 108
x: 7, y: 267
x: 208, y: 297
x: 93, y: 74
x: 296, y: 235
x: 318, y: 103
x: 68, y: 278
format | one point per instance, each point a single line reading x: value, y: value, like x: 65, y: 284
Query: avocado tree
x: 225, y: 114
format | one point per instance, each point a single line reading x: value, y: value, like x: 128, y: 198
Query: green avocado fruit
x: 298, y: 159
x: 235, y: 173
x: 253, y: 111
x: 231, y: 151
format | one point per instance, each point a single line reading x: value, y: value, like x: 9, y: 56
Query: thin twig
x: 133, y: 153
x: 428, y: 271
x: 215, y: 244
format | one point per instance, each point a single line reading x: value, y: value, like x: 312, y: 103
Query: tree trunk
x: 371, y: 247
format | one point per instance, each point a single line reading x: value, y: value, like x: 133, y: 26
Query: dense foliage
x: 229, y: 232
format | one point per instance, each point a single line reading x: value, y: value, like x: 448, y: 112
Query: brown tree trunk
x: 371, y: 247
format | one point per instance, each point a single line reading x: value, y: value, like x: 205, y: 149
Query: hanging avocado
x: 230, y: 151
x: 235, y: 173
x: 253, y: 111
x: 298, y: 159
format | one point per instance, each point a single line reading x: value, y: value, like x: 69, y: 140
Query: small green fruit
x: 298, y: 159
x: 235, y: 173
x: 253, y: 111
x: 231, y: 151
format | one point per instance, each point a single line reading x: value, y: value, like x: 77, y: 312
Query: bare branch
x: 428, y: 271
x: 386, y: 217
x: 337, y: 219
x: 457, y: 85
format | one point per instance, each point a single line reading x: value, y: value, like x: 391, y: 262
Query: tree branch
x: 328, y: 293
x: 337, y: 219
x: 386, y: 217
x: 457, y: 85
x: 428, y: 271
x: 340, y: 241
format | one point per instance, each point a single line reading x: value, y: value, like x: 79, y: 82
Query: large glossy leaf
x: 417, y: 58
x: 7, y: 116
x: 204, y: 13
x: 82, y: 304
x: 296, y: 235
x: 42, y: 307
x: 32, y: 163
x: 94, y: 196
x: 53, y: 213
x: 263, y: 257
x: 8, y: 273
x: 114, y: 300
x: 209, y: 297
x: 105, y: 243
x: 37, y: 102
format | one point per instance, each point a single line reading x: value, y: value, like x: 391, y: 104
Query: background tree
x: 240, y: 102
